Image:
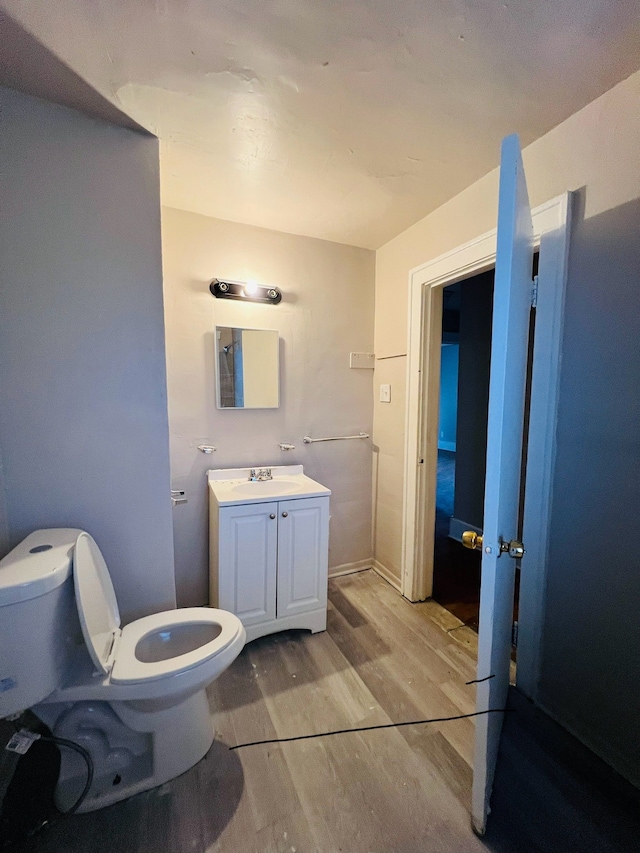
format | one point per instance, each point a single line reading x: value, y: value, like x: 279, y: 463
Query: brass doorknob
x: 472, y: 540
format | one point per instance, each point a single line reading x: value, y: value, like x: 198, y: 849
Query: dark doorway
x: 462, y: 441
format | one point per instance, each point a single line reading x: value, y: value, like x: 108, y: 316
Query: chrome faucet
x: 261, y: 474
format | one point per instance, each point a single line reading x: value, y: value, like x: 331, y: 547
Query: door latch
x: 513, y: 548
x: 473, y: 541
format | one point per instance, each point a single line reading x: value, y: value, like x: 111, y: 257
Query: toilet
x: 134, y: 697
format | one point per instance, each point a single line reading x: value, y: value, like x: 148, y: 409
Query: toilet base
x: 133, y: 750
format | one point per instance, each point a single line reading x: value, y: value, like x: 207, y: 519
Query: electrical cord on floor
x: 86, y: 755
x: 14, y: 834
x: 70, y: 744
x: 370, y: 728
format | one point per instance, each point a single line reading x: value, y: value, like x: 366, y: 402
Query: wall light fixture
x: 250, y: 291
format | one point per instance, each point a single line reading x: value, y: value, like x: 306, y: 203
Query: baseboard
x: 447, y: 445
x: 350, y: 568
x: 457, y: 528
x: 386, y: 575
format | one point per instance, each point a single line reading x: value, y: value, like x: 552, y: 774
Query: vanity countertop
x: 231, y: 486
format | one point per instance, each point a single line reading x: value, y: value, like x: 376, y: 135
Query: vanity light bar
x: 249, y: 291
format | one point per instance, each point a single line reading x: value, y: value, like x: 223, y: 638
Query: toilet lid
x: 96, y: 600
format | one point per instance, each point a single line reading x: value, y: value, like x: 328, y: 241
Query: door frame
x: 551, y: 223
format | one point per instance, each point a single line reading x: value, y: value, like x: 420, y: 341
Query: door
x: 511, y: 310
x: 248, y: 547
x: 303, y: 534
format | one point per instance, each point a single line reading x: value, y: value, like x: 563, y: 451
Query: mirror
x: 247, y: 367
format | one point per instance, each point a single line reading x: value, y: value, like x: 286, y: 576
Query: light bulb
x: 251, y: 287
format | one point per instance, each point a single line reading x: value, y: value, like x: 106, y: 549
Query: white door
x: 248, y: 546
x: 511, y: 309
x: 303, y: 533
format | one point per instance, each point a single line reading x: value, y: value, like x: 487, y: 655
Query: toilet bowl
x: 134, y: 697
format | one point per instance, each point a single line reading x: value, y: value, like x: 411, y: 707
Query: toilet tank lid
x: 40, y: 563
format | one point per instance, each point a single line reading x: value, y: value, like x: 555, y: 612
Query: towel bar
x: 308, y: 440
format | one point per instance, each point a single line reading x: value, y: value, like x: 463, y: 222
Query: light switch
x: 385, y: 393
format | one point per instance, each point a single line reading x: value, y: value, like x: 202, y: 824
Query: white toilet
x: 134, y: 696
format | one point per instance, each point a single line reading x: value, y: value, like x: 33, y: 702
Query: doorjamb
x: 551, y: 223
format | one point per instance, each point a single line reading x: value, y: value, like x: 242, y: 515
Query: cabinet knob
x: 272, y: 515
x: 285, y: 514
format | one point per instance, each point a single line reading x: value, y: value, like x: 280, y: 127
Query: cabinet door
x: 303, y: 558
x: 248, y: 543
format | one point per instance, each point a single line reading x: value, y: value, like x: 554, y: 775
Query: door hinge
x: 534, y: 292
x: 514, y: 634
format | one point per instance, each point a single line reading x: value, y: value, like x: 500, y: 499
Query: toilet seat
x: 96, y: 602
x: 128, y: 669
x: 113, y: 650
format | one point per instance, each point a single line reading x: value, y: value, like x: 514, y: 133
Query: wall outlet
x: 362, y: 359
x: 385, y: 393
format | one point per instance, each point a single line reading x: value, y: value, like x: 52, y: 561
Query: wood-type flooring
x: 396, y: 790
x: 456, y: 570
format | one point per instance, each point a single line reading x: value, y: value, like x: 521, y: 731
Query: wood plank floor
x: 407, y: 789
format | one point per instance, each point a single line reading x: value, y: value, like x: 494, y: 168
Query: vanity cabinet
x: 269, y: 563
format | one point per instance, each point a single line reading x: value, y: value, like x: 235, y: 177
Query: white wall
x: 326, y: 312
x: 591, y: 655
x: 83, y: 418
x: 597, y: 148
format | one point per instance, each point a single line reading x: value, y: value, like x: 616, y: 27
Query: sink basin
x: 271, y: 488
x: 232, y: 487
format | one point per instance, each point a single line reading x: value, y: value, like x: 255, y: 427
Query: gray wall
x: 83, y: 410
x: 590, y: 669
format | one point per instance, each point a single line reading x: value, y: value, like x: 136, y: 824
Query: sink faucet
x: 261, y: 474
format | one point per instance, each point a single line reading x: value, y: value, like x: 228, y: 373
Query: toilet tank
x: 39, y: 626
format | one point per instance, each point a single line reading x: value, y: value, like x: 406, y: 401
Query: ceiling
x: 347, y: 120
